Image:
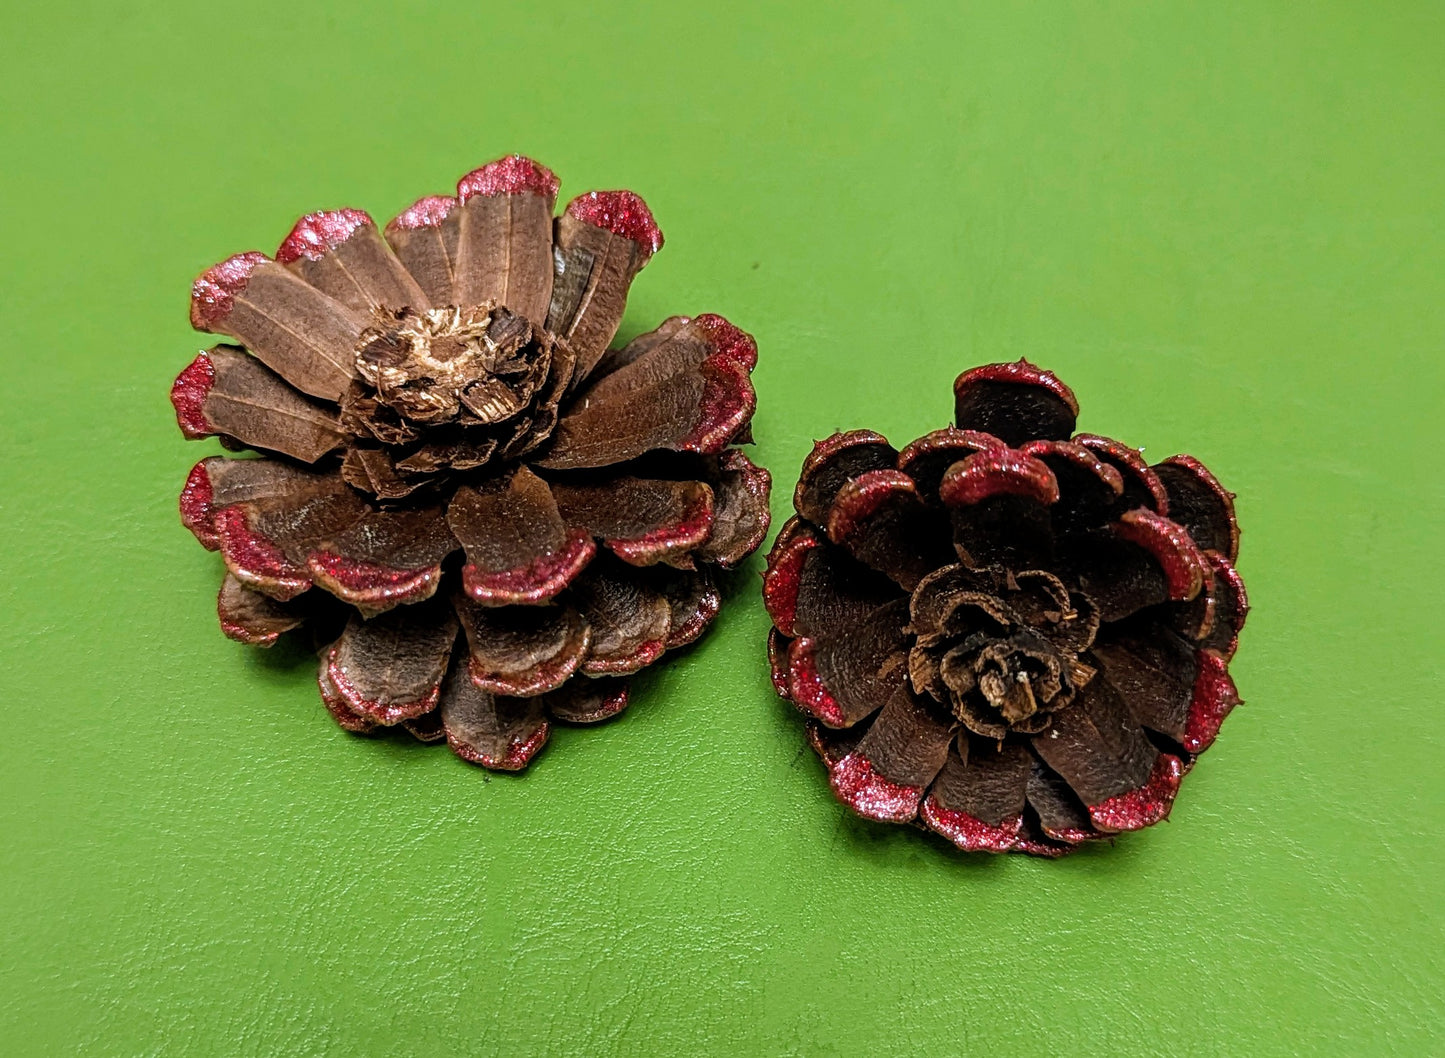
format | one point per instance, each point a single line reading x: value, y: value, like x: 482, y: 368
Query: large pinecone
x: 1015, y: 634
x: 491, y: 500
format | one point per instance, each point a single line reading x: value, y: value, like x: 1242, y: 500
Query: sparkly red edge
x: 426, y: 212
x: 385, y: 713
x: 514, y: 174
x: 519, y: 752
x: 188, y: 397
x: 1131, y: 459
x: 948, y: 440
x: 610, y: 706
x: 317, y: 234
x: 370, y: 585
x: 778, y: 663
x: 863, y: 497
x: 969, y: 832
x: 1171, y: 547
x: 1214, y: 698
x: 255, y: 560
x: 625, y: 664
x: 547, y: 675
x: 1223, y: 495
x: 689, y: 631
x: 869, y: 794
x: 783, y: 577
x: 214, y: 293
x: 1081, y: 457
x: 998, y: 472
x: 830, y: 447
x: 536, y: 582
x: 196, y: 503
x: 1149, y: 804
x: 1020, y: 373
x: 346, y: 717
x: 726, y: 405
x: 805, y: 685
x: 623, y: 213
x: 692, y: 527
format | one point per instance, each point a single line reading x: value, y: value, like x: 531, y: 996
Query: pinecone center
x: 448, y: 391
x: 477, y: 366
x: 1001, y: 651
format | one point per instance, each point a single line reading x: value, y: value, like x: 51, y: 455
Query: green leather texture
x: 1221, y: 223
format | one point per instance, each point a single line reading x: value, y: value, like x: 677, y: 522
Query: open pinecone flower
x: 488, y: 517
x: 1009, y: 633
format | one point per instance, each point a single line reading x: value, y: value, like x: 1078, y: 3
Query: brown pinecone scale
x: 1009, y: 633
x: 488, y: 517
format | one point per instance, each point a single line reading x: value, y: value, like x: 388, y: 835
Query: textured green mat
x: 1221, y: 223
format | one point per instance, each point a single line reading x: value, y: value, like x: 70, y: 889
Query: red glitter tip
x: 1081, y: 457
x: 188, y: 397
x: 858, y: 786
x: 1120, y: 454
x: 830, y: 447
x: 1227, y: 580
x: 346, y: 717
x: 622, y: 213
x: 1021, y: 373
x: 646, y: 653
x: 731, y: 342
x: 691, y: 529
x: 255, y: 560
x: 726, y: 405
x: 805, y: 685
x: 697, y: 621
x: 536, y: 582
x: 968, y: 832
x: 1225, y: 497
x: 214, y: 292
x: 1071, y: 835
x: 368, y: 585
x: 519, y: 752
x: 998, y: 472
x: 1137, y: 809
x: 784, y: 577
x: 242, y: 633
x: 613, y: 703
x: 513, y: 175
x: 387, y: 713
x: 863, y: 497
x: 1215, y: 696
x: 1171, y: 546
x: 197, y: 514
x: 541, y: 678
x: 317, y: 234
x: 949, y: 441
x: 426, y: 212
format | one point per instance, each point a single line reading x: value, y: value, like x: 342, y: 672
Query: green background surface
x: 1221, y: 223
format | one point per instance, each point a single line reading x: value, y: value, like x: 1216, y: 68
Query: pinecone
x: 491, y: 500
x: 1013, y: 634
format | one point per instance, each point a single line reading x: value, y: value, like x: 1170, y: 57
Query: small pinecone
x: 491, y: 500
x: 1013, y: 634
